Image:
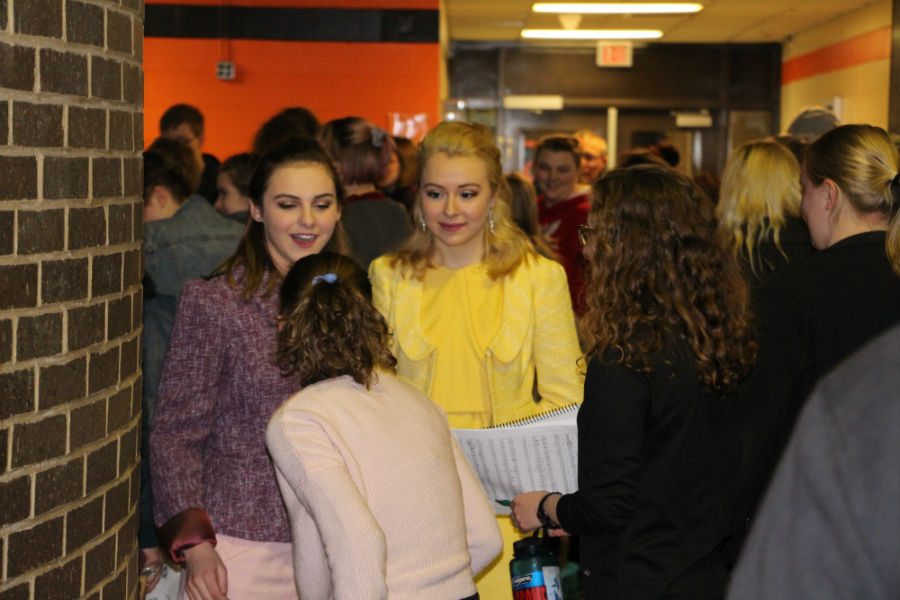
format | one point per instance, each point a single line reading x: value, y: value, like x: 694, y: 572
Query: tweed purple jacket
x: 218, y: 389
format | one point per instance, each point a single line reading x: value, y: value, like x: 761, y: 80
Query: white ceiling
x: 720, y: 21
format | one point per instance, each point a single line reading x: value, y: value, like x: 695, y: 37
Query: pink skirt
x: 255, y: 569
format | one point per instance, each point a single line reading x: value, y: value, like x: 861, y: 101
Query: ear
x: 256, y: 212
x: 160, y: 197
x: 832, y: 195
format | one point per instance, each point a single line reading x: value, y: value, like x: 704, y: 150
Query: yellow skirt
x: 494, y: 582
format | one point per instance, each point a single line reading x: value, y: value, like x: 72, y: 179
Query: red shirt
x: 559, y: 224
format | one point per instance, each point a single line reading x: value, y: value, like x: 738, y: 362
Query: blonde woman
x: 759, y: 205
x: 480, y: 320
x: 817, y: 312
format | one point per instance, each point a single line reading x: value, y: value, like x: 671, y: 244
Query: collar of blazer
x: 518, y: 316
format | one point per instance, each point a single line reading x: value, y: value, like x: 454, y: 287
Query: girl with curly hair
x: 668, y: 338
x: 381, y: 500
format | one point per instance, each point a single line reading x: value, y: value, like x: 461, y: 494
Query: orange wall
x: 331, y: 79
x: 420, y: 4
x: 844, y: 63
x: 859, y: 49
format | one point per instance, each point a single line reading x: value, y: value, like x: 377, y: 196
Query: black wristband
x: 542, y: 515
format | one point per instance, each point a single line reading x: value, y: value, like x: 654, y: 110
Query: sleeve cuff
x: 564, y: 513
x: 185, y: 530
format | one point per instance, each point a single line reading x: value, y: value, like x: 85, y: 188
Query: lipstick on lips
x: 304, y: 240
x: 452, y: 227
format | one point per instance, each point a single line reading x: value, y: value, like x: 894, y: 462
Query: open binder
x: 535, y: 453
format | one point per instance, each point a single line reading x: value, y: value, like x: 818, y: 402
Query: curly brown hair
x: 327, y: 324
x: 660, y: 269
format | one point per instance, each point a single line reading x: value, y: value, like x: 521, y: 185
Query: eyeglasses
x: 584, y: 234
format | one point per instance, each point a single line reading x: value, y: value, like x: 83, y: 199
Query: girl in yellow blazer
x: 481, y: 322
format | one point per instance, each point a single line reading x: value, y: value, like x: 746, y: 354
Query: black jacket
x: 794, y: 245
x: 654, y: 469
x: 375, y: 225
x: 811, y: 315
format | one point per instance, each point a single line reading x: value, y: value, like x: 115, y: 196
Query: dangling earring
x: 422, y: 224
x: 491, y: 220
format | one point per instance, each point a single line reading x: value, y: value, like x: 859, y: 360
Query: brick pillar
x: 70, y: 298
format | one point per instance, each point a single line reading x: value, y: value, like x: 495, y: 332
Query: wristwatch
x: 542, y: 515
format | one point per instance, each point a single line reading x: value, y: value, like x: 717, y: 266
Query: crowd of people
x: 315, y: 327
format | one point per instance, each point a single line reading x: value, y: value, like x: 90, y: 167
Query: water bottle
x: 534, y: 571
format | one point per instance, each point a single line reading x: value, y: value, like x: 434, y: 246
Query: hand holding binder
x: 537, y: 453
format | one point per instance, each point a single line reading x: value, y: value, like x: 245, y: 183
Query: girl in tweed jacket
x: 216, y: 501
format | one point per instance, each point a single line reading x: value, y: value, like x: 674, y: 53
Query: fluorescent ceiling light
x: 592, y: 34
x: 618, y: 8
x: 533, y: 102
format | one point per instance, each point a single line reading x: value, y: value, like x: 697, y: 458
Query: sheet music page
x: 509, y: 461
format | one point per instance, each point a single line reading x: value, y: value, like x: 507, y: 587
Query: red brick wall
x: 71, y: 130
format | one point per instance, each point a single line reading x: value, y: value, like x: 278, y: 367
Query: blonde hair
x: 505, y: 246
x: 760, y: 189
x: 863, y: 163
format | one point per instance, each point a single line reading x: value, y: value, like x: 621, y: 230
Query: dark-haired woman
x: 216, y: 500
x: 233, y: 185
x: 381, y: 500
x: 399, y: 178
x: 668, y: 338
x: 375, y: 224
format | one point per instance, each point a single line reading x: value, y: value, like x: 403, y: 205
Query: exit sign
x: 614, y: 54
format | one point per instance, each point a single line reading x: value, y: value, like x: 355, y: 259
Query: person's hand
x: 151, y: 563
x: 523, y: 510
x: 207, y: 578
x: 558, y: 532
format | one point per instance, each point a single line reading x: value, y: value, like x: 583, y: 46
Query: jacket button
x: 587, y: 572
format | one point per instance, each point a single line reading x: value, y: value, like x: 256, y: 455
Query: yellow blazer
x: 536, y: 338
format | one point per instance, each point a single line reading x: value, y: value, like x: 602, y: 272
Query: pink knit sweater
x: 382, y: 503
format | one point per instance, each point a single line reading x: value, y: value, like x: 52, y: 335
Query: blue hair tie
x: 326, y: 277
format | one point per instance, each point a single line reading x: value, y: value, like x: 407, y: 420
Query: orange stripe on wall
x: 867, y: 47
x: 331, y: 79
x: 396, y: 4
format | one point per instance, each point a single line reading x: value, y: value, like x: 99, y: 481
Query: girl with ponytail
x: 362, y: 151
x: 816, y: 312
x: 381, y: 501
